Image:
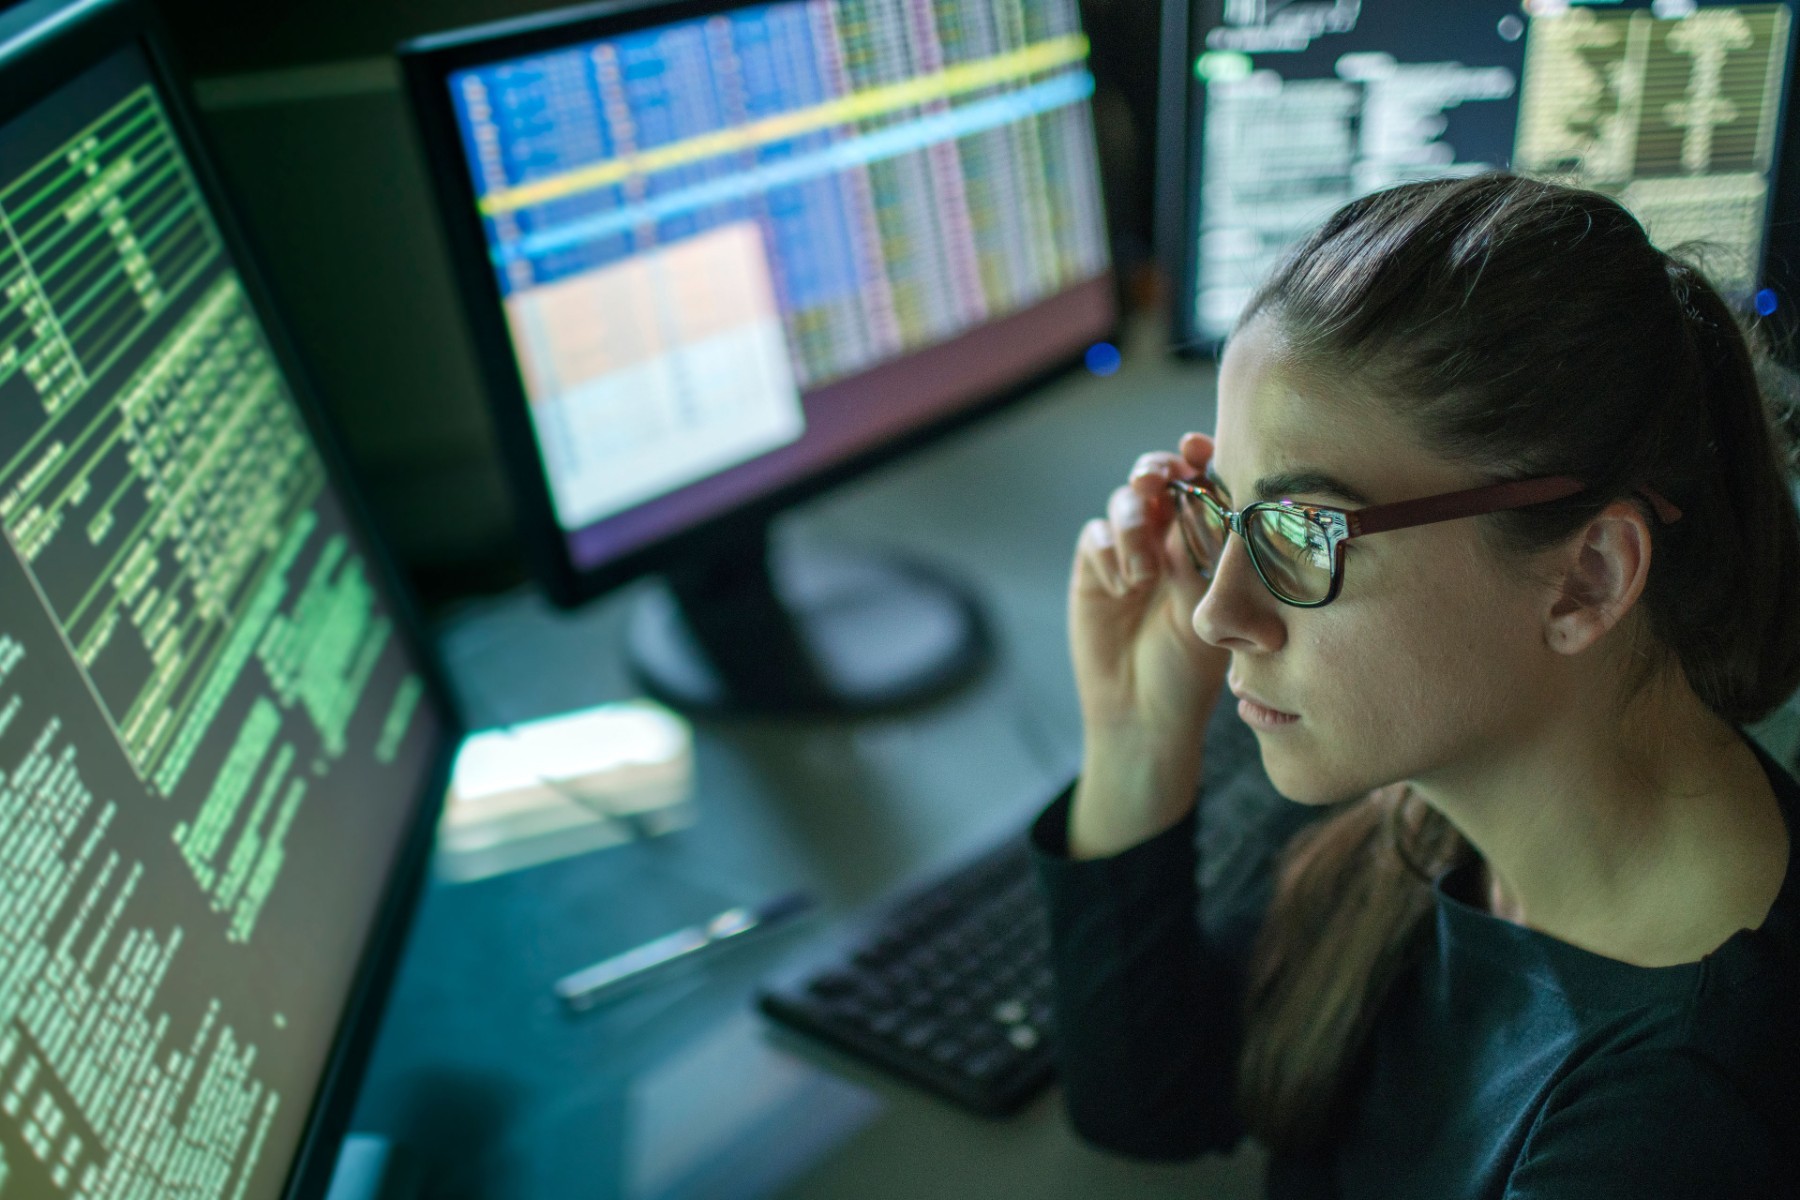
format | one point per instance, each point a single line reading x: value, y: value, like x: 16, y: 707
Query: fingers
x: 1150, y: 477
x: 1159, y: 464
x: 1137, y: 528
x: 1121, y: 552
x: 1126, y: 549
x: 1188, y: 579
x: 1097, y: 558
x: 1196, y: 451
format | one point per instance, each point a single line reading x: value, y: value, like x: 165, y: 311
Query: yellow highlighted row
x: 858, y: 106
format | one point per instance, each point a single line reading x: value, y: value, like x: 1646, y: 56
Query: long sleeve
x: 1148, y: 949
x: 1654, y: 1125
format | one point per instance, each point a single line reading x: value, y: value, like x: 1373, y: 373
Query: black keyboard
x: 948, y: 987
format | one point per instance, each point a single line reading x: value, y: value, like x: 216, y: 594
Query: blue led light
x: 1766, y: 302
x: 1103, y: 358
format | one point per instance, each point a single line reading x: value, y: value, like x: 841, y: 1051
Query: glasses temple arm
x: 1472, y: 502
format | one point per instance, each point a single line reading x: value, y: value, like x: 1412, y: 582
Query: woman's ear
x: 1602, y: 573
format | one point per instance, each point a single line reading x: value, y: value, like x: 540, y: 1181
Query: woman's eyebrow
x: 1307, y: 483
x: 1298, y: 483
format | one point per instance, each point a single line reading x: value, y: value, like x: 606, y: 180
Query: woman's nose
x: 1238, y: 612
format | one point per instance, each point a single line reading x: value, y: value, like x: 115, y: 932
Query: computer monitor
x: 1273, y: 114
x: 221, y: 746
x: 717, y: 256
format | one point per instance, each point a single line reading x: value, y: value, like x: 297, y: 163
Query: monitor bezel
x: 427, y: 63
x: 43, y: 44
x: 1181, y: 107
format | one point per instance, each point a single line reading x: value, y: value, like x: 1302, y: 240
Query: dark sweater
x: 1505, y: 1063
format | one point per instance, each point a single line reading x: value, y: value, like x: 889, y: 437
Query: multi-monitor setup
x: 715, y: 257
x: 725, y: 255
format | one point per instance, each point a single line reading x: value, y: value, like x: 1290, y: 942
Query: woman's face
x: 1432, y: 660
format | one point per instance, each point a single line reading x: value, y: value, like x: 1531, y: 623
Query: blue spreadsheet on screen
x: 716, y: 257
x: 725, y: 246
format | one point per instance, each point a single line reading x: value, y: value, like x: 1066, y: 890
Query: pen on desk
x: 615, y: 975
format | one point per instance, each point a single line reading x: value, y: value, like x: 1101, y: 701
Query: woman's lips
x: 1260, y: 715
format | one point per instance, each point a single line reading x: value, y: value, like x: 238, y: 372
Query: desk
x: 684, y: 1090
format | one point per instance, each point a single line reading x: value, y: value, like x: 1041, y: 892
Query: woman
x: 1531, y: 928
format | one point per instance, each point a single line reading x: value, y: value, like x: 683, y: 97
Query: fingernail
x: 1137, y: 569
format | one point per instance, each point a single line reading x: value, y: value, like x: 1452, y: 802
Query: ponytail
x: 1352, y: 898
x: 1730, y: 611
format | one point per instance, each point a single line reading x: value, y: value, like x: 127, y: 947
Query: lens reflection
x: 1202, y: 530
x: 1292, y: 552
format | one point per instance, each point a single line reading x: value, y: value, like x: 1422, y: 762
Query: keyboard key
x: 925, y: 960
x: 900, y: 977
x: 947, y: 1052
x: 919, y: 1035
x: 987, y: 1064
x: 1024, y: 1037
x: 833, y: 984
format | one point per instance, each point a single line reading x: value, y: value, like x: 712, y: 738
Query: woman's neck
x: 1651, y: 841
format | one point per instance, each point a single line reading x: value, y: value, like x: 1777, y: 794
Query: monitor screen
x: 1674, y: 108
x: 214, y: 735
x: 730, y: 247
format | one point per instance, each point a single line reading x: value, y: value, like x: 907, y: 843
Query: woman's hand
x: 1147, y: 683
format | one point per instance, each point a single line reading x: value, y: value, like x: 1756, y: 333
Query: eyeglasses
x: 1298, y: 549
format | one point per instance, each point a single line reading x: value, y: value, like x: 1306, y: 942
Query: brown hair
x: 1529, y: 329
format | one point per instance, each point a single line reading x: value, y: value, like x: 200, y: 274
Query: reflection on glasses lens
x: 1202, y: 530
x: 1292, y: 552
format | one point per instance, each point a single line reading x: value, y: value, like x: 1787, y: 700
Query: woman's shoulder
x: 1659, y: 1118
x: 1768, y: 955
x: 1728, y: 1062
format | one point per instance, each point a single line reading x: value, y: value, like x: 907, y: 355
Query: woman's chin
x: 1304, y: 782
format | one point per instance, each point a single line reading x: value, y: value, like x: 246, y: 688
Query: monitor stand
x: 755, y: 629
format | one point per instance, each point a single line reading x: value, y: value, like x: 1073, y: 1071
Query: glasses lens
x: 1292, y: 552
x: 1202, y: 530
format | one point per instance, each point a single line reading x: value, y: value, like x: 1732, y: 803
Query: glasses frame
x: 1340, y: 525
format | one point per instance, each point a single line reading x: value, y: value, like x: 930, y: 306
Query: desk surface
x: 683, y: 1090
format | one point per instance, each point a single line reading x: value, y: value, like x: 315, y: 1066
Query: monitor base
x: 804, y: 633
